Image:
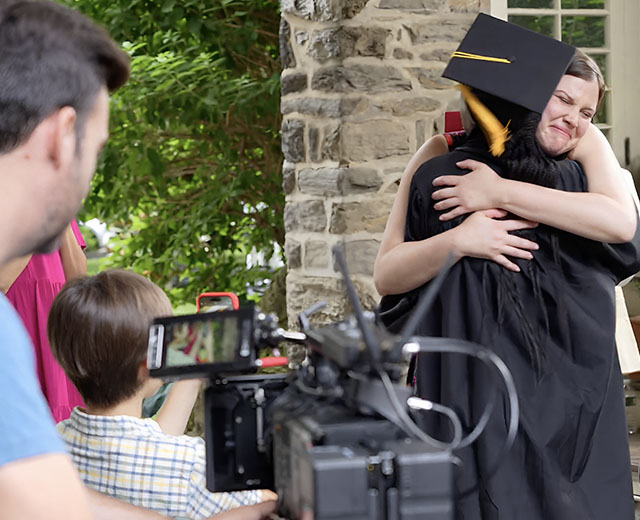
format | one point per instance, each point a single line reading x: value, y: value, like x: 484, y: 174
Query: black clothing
x: 553, y: 325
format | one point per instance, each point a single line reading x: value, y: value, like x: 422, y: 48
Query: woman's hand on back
x: 483, y: 235
x: 460, y: 194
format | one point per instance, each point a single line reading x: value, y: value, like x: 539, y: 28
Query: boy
x: 98, y: 329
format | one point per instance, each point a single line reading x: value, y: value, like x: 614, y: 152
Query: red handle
x: 272, y: 361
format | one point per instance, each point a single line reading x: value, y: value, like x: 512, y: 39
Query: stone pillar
x: 361, y: 91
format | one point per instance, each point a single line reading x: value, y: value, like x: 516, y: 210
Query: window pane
x: 601, y: 60
x: 540, y: 24
x: 583, y: 31
x: 530, y: 3
x: 583, y: 4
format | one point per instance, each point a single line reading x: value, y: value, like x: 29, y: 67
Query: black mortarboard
x: 509, y: 62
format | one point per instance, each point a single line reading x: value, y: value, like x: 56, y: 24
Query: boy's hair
x: 98, y: 329
x: 51, y: 57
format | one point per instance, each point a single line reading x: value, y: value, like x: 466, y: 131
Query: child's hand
x: 267, y: 494
x: 254, y: 512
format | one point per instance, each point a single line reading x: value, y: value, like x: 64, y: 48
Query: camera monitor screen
x: 199, y: 344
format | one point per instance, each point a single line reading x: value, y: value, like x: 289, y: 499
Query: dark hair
x: 584, y: 67
x: 51, y: 57
x: 523, y: 158
x: 98, y: 328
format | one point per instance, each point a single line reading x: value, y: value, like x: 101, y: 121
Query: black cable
x: 458, y: 346
x: 413, y: 429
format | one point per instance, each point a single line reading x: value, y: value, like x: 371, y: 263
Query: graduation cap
x: 509, y: 62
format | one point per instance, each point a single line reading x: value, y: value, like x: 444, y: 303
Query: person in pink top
x: 31, y: 283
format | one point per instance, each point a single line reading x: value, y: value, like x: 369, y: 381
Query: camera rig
x: 337, y: 438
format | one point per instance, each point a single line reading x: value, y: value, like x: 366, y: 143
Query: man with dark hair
x: 56, y: 69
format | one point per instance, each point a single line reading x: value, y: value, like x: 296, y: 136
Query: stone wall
x: 361, y: 91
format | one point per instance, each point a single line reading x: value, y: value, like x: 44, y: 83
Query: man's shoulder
x: 25, y: 420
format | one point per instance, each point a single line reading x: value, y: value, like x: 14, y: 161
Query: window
x: 581, y: 23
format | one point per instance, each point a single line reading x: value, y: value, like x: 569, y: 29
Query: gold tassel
x: 492, y: 128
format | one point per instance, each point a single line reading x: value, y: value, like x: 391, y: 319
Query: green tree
x: 192, y: 170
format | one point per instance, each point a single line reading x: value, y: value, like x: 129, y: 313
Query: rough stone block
x: 469, y: 6
x: 351, y: 8
x: 292, y: 252
x: 360, y: 78
x: 316, y: 254
x: 319, y: 107
x: 441, y: 29
x: 416, y: 6
x: 322, y: 10
x: 420, y: 133
x: 331, y: 145
x: 300, y: 8
x: 441, y: 53
x: 374, y: 140
x: 361, y: 180
x: 308, y: 215
x: 288, y: 178
x: 354, y: 105
x: 431, y: 78
x: 402, y: 54
x: 367, y: 294
x: 409, y: 106
x: 292, y: 132
x: 314, y: 144
x: 331, y: 43
x: 361, y: 255
x: 305, y: 291
x: 326, y: 182
x: 364, y: 215
x: 301, y: 37
x: 287, y: 58
x: 295, y: 82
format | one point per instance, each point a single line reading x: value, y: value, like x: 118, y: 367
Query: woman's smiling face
x: 567, y: 115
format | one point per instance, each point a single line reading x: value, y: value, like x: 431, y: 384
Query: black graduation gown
x: 571, y: 457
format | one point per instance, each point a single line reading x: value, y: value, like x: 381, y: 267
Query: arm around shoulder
x: 387, y: 261
x: 43, y: 486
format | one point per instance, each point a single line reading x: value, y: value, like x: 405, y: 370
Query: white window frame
x: 500, y: 9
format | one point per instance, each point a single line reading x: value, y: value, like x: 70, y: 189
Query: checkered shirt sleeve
x: 133, y: 460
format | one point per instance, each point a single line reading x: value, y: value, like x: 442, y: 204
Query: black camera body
x: 324, y: 459
x: 335, y: 438
x: 326, y: 437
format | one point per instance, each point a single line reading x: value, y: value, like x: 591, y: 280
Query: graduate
x: 552, y: 320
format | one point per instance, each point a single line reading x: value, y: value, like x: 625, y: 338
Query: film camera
x: 336, y: 438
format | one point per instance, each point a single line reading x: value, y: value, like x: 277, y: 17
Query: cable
x: 458, y: 346
x: 413, y: 428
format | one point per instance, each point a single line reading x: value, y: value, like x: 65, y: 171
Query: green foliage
x: 191, y: 173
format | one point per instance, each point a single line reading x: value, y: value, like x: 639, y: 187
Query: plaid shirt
x: 133, y: 460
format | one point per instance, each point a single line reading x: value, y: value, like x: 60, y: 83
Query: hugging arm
x: 401, y: 266
x: 605, y: 213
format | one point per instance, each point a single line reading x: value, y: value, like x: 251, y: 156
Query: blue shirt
x: 26, y: 425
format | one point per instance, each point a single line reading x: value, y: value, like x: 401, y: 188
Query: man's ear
x: 63, y: 139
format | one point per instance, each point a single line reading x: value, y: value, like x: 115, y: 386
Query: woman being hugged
x: 540, y: 295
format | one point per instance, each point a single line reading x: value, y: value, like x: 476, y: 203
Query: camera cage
x: 336, y: 438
